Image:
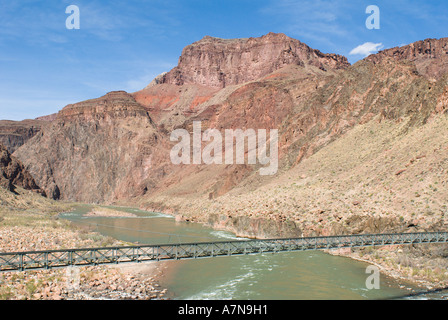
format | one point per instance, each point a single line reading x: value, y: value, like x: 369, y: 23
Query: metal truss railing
x: 21, y: 261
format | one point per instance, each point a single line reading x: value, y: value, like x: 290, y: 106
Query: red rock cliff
x: 219, y: 63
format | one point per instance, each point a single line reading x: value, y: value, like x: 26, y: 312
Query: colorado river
x: 281, y: 276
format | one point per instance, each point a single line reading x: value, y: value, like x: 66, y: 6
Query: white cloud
x: 367, y: 49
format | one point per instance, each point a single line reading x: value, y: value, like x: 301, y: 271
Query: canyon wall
x: 117, y: 148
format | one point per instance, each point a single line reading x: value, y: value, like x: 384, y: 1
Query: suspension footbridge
x: 48, y: 259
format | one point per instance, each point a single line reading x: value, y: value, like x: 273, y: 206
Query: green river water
x: 281, y: 276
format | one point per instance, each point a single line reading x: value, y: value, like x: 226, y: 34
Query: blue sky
x: 123, y: 45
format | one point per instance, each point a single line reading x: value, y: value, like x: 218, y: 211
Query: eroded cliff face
x: 95, y: 151
x: 13, y: 173
x: 210, y: 70
x: 218, y: 63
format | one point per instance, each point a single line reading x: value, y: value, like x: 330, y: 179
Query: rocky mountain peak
x: 216, y: 62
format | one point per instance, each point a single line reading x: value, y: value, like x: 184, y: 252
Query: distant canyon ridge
x: 116, y: 148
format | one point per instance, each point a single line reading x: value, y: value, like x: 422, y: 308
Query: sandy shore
x: 30, y: 231
x: 107, y: 212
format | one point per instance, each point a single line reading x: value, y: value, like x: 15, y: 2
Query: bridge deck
x: 21, y: 261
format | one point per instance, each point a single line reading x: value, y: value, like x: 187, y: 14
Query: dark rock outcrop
x: 13, y: 173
